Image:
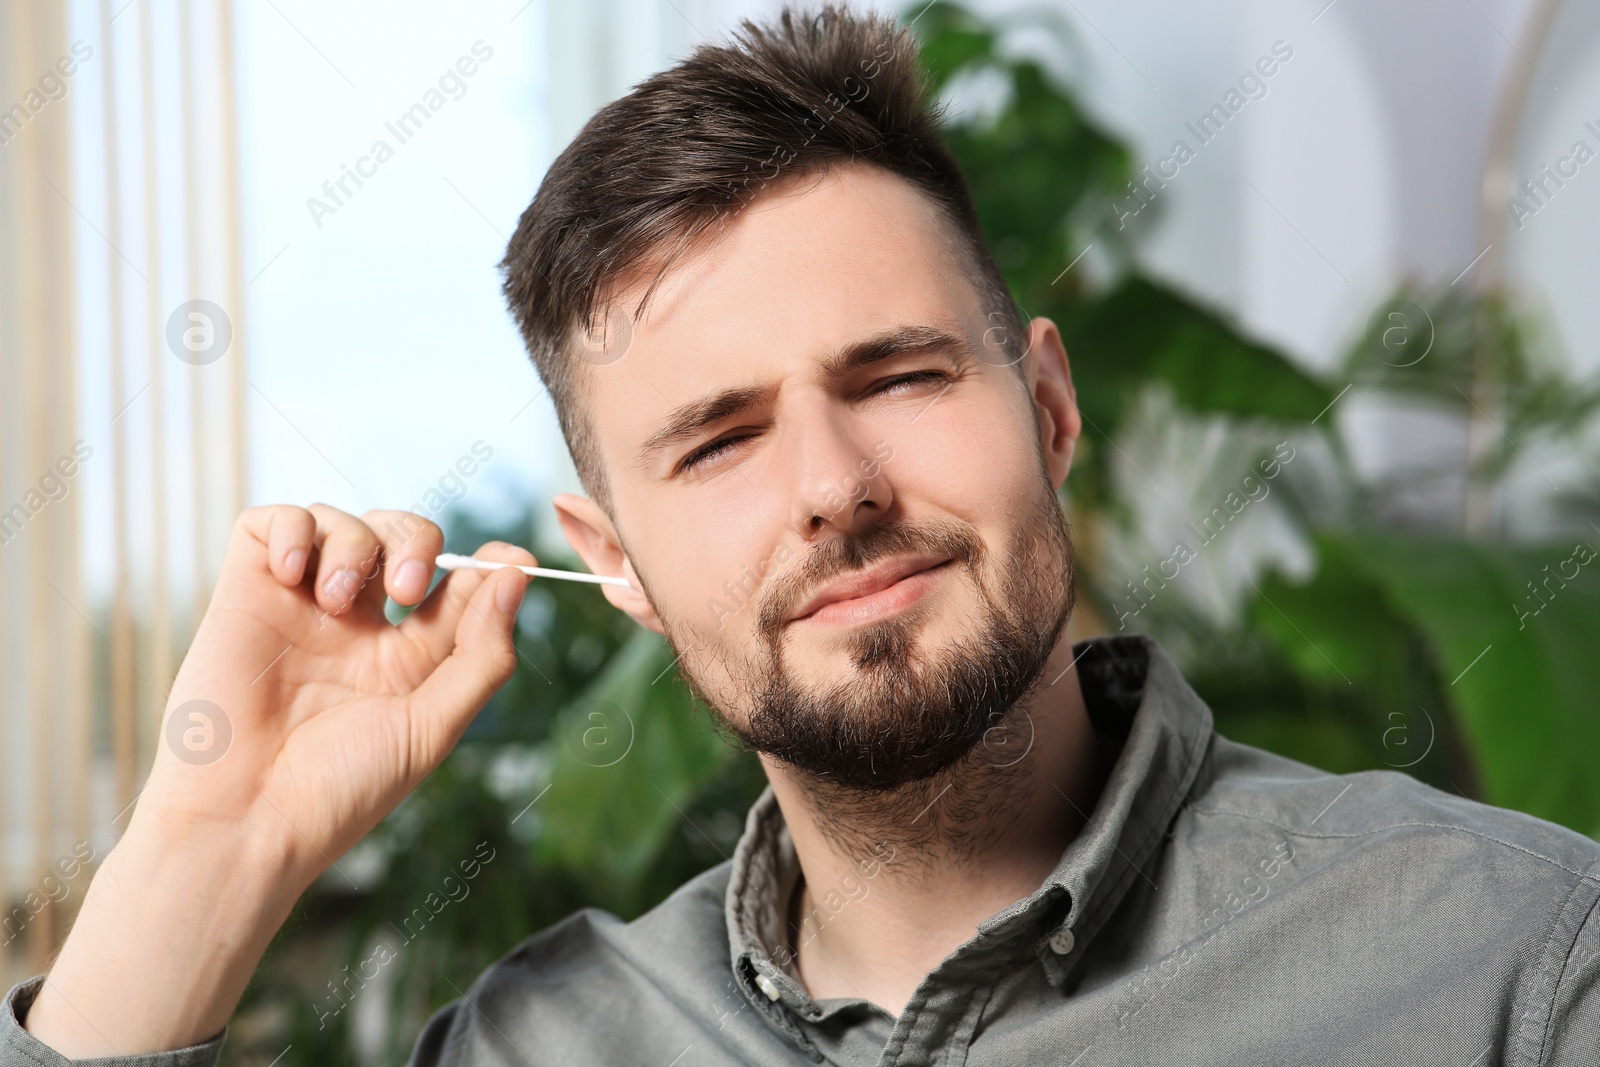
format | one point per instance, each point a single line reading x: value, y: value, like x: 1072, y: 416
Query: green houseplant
x: 592, y: 779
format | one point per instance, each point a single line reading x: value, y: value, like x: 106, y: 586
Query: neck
x: 891, y: 883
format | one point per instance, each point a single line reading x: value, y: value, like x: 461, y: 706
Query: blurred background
x: 1325, y: 271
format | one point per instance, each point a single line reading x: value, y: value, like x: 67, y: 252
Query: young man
x: 825, y: 454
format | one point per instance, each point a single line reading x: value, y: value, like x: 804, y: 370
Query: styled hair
x: 657, y: 171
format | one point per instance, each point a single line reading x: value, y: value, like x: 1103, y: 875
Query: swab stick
x: 451, y: 562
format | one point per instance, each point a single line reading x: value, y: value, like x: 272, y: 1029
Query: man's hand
x: 300, y: 717
x: 335, y: 714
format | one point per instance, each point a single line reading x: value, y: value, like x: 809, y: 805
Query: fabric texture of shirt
x: 1223, y: 905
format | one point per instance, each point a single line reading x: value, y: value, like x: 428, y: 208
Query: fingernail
x: 295, y: 562
x: 412, y: 576
x: 509, y: 595
x: 341, y: 585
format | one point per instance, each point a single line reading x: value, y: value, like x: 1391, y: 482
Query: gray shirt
x: 1223, y: 906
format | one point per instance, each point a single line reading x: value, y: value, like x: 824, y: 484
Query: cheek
x: 705, y: 570
x: 978, y: 466
x: 972, y: 458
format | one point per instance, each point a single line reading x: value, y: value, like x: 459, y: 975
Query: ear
x: 1055, y: 402
x: 592, y: 536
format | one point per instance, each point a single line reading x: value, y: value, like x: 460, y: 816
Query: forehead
x: 812, y: 263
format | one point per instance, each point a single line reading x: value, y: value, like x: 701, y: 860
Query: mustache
x: 841, y: 555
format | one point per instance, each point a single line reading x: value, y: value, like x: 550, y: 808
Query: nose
x: 839, y: 479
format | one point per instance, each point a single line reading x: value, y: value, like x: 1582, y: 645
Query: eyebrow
x: 689, y: 419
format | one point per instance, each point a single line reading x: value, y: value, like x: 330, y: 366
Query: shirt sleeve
x: 1574, y: 1036
x: 439, y: 1041
x: 18, y: 1048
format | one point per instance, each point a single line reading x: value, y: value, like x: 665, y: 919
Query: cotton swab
x: 451, y: 562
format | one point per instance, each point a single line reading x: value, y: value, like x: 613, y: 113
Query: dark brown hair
x: 660, y: 169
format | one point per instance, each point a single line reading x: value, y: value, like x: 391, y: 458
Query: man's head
x: 816, y: 435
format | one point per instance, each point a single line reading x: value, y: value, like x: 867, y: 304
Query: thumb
x: 482, y: 660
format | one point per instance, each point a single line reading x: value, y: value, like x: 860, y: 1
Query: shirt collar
x: 1133, y: 692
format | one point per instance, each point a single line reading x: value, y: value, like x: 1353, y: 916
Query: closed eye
x: 914, y: 378
x: 708, y: 451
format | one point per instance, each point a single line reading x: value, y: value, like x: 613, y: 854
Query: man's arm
x: 332, y: 716
x: 171, y: 929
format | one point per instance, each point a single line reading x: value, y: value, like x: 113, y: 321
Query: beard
x: 904, y: 713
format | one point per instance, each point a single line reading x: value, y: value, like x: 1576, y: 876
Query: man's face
x: 832, y: 487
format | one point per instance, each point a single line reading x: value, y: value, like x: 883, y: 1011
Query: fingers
x: 410, y: 544
x: 434, y: 625
x: 289, y: 538
x: 346, y: 560
x: 480, y: 659
x: 284, y: 534
x: 337, y: 553
x: 349, y: 557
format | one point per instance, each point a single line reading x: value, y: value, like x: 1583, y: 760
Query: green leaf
x: 949, y: 37
x: 1143, y: 330
x: 1362, y: 664
x: 1520, y: 667
x: 628, y: 757
x: 1336, y: 628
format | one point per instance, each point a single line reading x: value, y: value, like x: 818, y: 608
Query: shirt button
x: 1061, y: 941
x: 767, y: 986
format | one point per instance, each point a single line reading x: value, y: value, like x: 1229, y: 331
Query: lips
x: 864, y: 583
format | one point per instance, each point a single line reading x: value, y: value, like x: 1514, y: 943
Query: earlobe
x: 634, y: 603
x: 589, y: 531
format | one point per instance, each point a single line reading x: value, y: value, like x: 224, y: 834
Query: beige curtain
x: 121, y: 415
